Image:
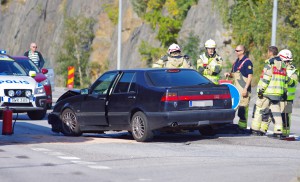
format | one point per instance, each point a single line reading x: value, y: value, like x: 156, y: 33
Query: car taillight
x: 169, y: 96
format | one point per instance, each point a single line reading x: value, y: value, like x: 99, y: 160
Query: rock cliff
x: 41, y: 21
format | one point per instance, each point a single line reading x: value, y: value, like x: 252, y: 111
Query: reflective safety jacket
x: 210, y: 67
x: 174, y: 61
x: 292, y: 82
x: 273, y: 82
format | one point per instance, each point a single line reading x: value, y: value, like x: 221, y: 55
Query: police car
x: 19, y: 91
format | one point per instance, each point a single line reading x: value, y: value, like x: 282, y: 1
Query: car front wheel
x: 37, y: 115
x: 140, y: 127
x: 70, y: 125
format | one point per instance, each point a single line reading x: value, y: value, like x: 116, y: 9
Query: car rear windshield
x: 176, y: 77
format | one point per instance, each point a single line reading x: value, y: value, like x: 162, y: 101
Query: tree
x: 76, y: 49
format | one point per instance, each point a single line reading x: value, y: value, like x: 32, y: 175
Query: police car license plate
x: 202, y: 103
x: 20, y: 100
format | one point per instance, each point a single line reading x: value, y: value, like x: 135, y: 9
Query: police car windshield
x: 11, y: 68
x: 27, y: 65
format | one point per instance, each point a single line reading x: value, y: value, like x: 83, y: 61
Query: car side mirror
x: 32, y: 73
x: 84, y: 91
x: 44, y: 70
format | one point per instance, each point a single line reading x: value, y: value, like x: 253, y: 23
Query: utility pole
x: 119, y: 35
x: 274, y: 22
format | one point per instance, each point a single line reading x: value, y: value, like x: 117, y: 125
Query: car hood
x: 17, y: 82
x: 69, y: 93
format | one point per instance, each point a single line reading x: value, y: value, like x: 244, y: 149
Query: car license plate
x: 202, y: 103
x: 20, y: 100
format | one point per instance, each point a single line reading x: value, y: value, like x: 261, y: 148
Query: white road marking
x: 84, y: 162
x: 99, y: 167
x: 41, y: 149
x: 68, y: 157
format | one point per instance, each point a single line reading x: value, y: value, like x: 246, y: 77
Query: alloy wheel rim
x: 69, y: 120
x: 138, y: 127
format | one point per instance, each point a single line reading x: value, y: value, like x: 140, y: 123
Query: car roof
x: 148, y: 69
x: 20, y: 57
x: 4, y: 57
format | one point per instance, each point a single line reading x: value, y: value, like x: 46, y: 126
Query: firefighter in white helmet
x: 210, y: 63
x: 286, y: 104
x: 173, y: 59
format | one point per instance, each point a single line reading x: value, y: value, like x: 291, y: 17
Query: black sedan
x: 142, y: 101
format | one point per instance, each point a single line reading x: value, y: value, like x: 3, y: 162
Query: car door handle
x: 131, y: 97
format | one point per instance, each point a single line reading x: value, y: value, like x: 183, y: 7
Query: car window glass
x: 28, y: 65
x: 165, y: 78
x: 102, y: 84
x: 11, y: 68
x: 124, y: 84
x: 132, y: 87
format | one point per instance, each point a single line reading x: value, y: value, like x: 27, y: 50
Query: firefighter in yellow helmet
x: 174, y: 59
x: 286, y: 104
x: 259, y: 107
x: 210, y: 63
x: 270, y: 90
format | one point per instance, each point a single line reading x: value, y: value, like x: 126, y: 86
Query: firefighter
x: 174, y: 59
x: 242, y: 73
x: 270, y: 90
x: 259, y: 108
x: 210, y: 63
x: 286, y: 104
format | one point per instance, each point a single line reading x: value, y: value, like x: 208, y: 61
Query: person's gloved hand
x: 284, y: 96
x: 260, y: 94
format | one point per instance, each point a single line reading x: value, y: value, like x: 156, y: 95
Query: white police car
x: 19, y: 91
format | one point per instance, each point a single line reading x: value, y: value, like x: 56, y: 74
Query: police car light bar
x: 2, y: 51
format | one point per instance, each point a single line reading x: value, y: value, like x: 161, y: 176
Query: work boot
x: 257, y: 133
x: 276, y: 136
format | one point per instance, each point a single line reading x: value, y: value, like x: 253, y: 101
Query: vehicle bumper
x: 192, y: 119
x: 39, y: 103
x: 54, y: 121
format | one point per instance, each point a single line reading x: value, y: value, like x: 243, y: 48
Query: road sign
x: 235, y: 95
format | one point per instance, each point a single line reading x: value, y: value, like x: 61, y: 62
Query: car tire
x: 207, y: 131
x: 70, y: 125
x: 37, y: 115
x: 140, y: 127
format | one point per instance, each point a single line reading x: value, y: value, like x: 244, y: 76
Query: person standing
x: 35, y: 55
x: 286, y: 104
x: 242, y: 73
x: 210, y: 63
x: 261, y: 108
x: 174, y: 59
x: 270, y: 91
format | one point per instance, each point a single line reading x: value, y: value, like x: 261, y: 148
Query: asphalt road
x: 34, y: 153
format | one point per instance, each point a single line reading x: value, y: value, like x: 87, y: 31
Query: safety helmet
x: 285, y: 55
x: 173, y: 48
x: 210, y: 44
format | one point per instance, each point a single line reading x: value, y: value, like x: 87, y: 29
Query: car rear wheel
x: 140, y: 128
x: 37, y: 115
x: 70, y: 125
x: 207, y: 131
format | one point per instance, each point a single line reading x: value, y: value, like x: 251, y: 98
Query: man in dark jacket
x: 35, y: 56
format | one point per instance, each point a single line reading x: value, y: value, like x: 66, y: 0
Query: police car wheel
x: 70, y: 125
x: 37, y: 115
x: 207, y: 131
